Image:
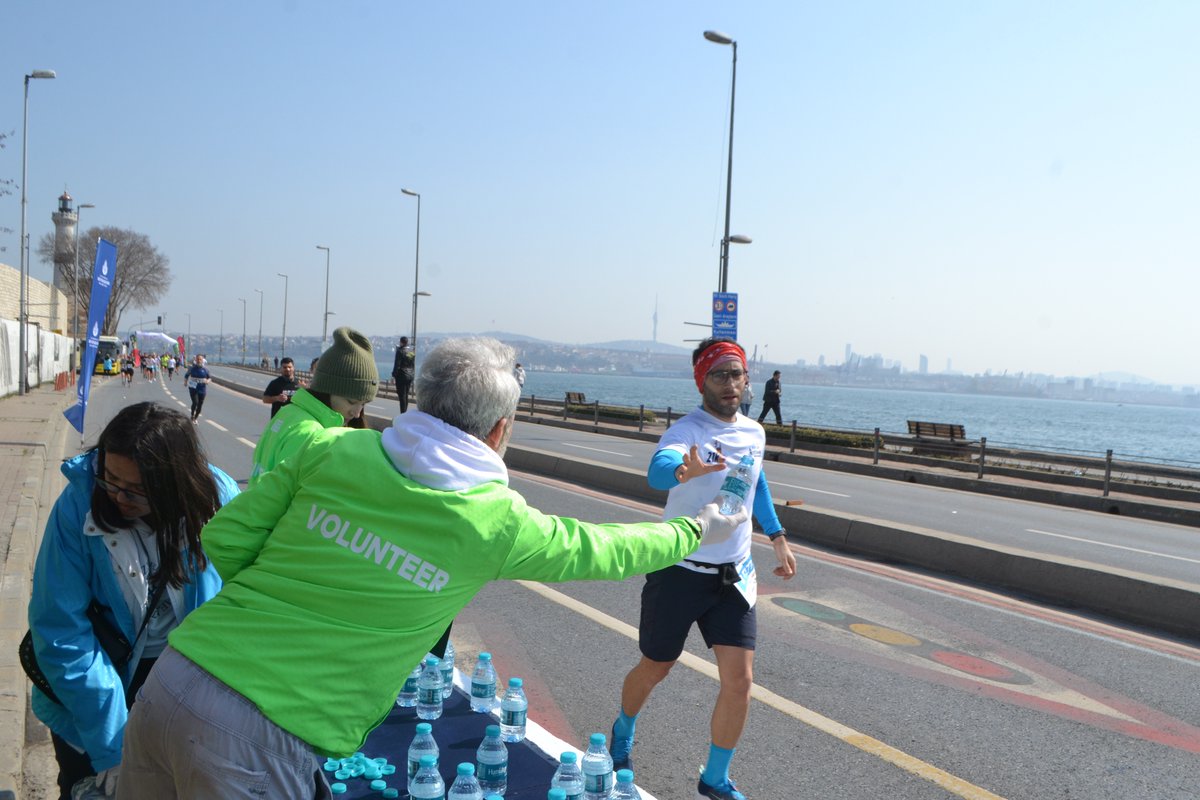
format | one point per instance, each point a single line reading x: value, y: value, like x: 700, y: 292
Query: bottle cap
x: 597, y: 739
x: 516, y: 683
x: 485, y: 656
x: 428, y: 761
x: 556, y: 794
x: 492, y: 730
x: 379, y: 786
x: 337, y: 788
x: 625, y: 775
x: 424, y: 727
x: 432, y: 660
x: 568, y: 757
x: 391, y: 793
x: 466, y: 769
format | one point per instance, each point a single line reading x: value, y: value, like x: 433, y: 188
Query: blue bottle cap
x: 625, y: 775
x: 428, y: 761
x: 516, y: 683
x: 466, y: 769
x: 556, y: 794
x: 342, y: 774
x: 597, y: 739
x: 424, y: 727
x: 391, y: 792
x: 485, y: 656
x: 378, y: 786
x: 568, y: 757
x: 338, y: 788
x: 432, y: 661
x: 332, y: 765
x: 379, y: 762
x: 492, y: 730
x: 388, y: 769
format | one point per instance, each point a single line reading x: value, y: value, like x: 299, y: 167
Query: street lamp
x: 23, y: 310
x: 75, y: 294
x: 416, y: 272
x: 260, y: 305
x: 720, y: 38
x: 325, y: 318
x: 283, y: 339
x: 243, y: 302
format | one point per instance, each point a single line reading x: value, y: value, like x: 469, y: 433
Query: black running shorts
x: 675, y: 597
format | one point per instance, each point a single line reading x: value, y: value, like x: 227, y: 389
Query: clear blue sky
x: 1010, y: 185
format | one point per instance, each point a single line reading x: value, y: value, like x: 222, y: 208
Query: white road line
x: 807, y: 488
x: 807, y: 716
x: 246, y: 442
x: 1114, y: 546
x: 596, y: 450
x: 221, y: 428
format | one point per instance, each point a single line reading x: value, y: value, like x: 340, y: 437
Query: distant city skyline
x: 1005, y: 184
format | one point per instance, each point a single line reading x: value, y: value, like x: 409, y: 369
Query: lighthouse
x: 65, y: 220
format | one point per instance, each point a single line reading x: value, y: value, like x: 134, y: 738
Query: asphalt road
x: 871, y: 681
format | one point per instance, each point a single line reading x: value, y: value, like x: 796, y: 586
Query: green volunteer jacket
x: 341, y: 570
x: 291, y: 429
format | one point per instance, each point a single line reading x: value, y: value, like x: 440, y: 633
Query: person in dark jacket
x: 403, y: 371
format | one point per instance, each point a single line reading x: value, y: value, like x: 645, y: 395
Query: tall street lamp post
x: 720, y: 38
x: 23, y: 310
x: 283, y: 338
x: 416, y: 272
x: 325, y: 316
x: 260, y: 306
x: 242, y: 300
x: 75, y: 285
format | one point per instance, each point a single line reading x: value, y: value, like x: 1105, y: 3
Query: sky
x: 1004, y: 185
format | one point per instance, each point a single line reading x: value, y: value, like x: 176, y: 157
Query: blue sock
x: 716, y: 772
x: 625, y: 725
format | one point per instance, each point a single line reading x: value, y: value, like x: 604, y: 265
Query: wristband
x: 777, y: 534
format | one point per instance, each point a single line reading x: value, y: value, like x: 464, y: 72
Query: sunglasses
x: 131, y: 497
x: 726, y: 375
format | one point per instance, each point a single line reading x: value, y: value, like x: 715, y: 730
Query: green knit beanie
x: 347, y: 368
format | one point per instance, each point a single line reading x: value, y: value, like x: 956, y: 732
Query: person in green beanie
x: 346, y: 379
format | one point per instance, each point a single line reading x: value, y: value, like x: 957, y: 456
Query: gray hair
x: 469, y: 384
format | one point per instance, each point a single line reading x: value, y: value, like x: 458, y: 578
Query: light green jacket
x: 292, y: 428
x: 340, y: 574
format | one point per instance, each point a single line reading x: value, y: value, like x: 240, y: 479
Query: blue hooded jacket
x: 72, y: 569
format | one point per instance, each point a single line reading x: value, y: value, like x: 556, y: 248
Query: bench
x: 936, y: 430
x: 575, y: 398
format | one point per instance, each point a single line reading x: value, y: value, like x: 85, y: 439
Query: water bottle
x: 429, y: 690
x: 513, y: 707
x: 483, y: 684
x: 625, y: 790
x: 448, y: 670
x: 568, y: 777
x: 408, y: 693
x: 427, y: 784
x: 597, y: 769
x: 736, y: 486
x: 465, y: 787
x: 422, y: 745
x: 492, y: 758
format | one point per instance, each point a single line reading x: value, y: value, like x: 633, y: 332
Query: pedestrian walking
x: 519, y: 374
x: 403, y: 370
x: 771, y: 395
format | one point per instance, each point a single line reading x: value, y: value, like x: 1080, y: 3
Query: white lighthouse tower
x: 65, y: 220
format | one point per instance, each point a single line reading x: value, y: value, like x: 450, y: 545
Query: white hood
x: 440, y: 456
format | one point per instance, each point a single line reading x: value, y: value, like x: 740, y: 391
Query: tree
x: 142, y: 279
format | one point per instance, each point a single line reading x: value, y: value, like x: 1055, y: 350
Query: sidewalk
x: 33, y: 441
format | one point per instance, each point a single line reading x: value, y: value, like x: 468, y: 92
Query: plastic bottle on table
x: 448, y: 670
x: 513, y: 707
x: 483, y: 684
x: 597, y: 768
x: 492, y: 760
x: 625, y: 789
x: 427, y: 784
x: 422, y: 745
x: 736, y: 486
x: 408, y: 693
x: 429, y: 690
x: 568, y: 777
x: 465, y: 787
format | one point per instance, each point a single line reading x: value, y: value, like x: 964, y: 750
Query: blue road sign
x: 724, y: 314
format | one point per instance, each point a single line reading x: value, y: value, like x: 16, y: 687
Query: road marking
x: 807, y: 488
x: 596, y: 450
x: 221, y: 428
x: 1114, y: 546
x: 867, y: 744
x: 246, y: 442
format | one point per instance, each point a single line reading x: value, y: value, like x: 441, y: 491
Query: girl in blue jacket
x: 124, y: 535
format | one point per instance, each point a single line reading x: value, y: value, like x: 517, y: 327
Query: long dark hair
x: 175, y: 477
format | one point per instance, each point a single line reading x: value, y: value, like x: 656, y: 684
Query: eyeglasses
x: 726, y: 375
x: 131, y: 497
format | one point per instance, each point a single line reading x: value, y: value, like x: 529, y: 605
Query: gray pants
x: 191, y: 736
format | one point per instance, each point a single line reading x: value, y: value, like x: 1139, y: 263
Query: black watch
x: 777, y: 534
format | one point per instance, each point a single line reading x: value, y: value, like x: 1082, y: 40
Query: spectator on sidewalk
x: 771, y: 395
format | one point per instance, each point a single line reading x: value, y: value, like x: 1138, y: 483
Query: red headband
x: 715, y: 353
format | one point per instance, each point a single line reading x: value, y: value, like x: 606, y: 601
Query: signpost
x: 724, y: 315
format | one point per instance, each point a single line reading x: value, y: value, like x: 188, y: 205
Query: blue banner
x: 724, y: 315
x: 102, y: 277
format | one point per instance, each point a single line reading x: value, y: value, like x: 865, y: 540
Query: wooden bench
x: 575, y: 398
x: 937, y: 430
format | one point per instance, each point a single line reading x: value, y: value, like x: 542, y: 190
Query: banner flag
x: 103, y: 272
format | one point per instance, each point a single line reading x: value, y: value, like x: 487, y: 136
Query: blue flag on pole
x: 102, y: 277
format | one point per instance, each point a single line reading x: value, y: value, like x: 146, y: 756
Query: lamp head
x: 42, y: 73
x: 410, y: 193
x: 717, y: 37
x: 738, y: 238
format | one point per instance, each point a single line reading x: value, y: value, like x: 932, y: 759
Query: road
x: 871, y: 681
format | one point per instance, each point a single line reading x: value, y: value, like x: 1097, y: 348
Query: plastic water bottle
x: 568, y: 777
x: 465, y: 787
x: 422, y: 745
x: 597, y: 769
x: 408, y: 693
x: 513, y: 707
x: 492, y: 758
x: 448, y: 671
x: 625, y: 789
x: 736, y: 486
x: 429, y: 690
x: 556, y: 794
x: 427, y: 784
x: 483, y: 684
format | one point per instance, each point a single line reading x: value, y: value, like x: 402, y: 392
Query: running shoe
x: 726, y: 791
x: 621, y: 750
